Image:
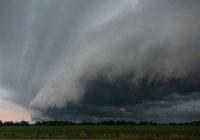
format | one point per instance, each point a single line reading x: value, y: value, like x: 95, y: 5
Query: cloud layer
x: 101, y: 60
x: 141, y: 64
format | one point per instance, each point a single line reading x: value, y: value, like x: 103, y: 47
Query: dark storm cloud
x: 35, y: 36
x: 53, y: 28
x: 141, y: 65
x: 163, y: 102
x: 93, y: 60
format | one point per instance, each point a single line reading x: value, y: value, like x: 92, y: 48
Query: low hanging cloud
x: 139, y: 65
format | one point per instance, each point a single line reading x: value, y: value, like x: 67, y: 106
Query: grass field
x: 135, y: 132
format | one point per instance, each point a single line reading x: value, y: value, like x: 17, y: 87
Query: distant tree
x: 195, y: 122
x: 143, y: 123
x: 54, y: 123
x: 10, y: 123
x: 24, y: 123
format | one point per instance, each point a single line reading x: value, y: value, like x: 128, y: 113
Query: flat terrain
x: 135, y: 132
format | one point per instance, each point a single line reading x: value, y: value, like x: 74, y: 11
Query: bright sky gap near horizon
x: 100, y: 60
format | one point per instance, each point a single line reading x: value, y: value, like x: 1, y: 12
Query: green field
x: 135, y: 132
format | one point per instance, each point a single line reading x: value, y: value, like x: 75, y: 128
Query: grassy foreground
x: 135, y: 132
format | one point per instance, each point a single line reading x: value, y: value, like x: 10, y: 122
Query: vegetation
x: 100, y: 130
x: 136, y: 132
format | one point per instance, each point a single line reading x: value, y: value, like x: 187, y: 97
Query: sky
x: 93, y: 60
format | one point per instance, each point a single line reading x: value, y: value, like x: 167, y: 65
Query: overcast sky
x: 100, y: 60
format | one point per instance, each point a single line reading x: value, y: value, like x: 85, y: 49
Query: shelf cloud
x: 102, y: 60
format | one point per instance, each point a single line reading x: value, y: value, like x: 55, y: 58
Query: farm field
x: 129, y: 132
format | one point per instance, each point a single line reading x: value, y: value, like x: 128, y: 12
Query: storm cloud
x: 102, y: 60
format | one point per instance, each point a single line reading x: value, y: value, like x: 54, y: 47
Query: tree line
x: 11, y: 123
x: 111, y: 122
